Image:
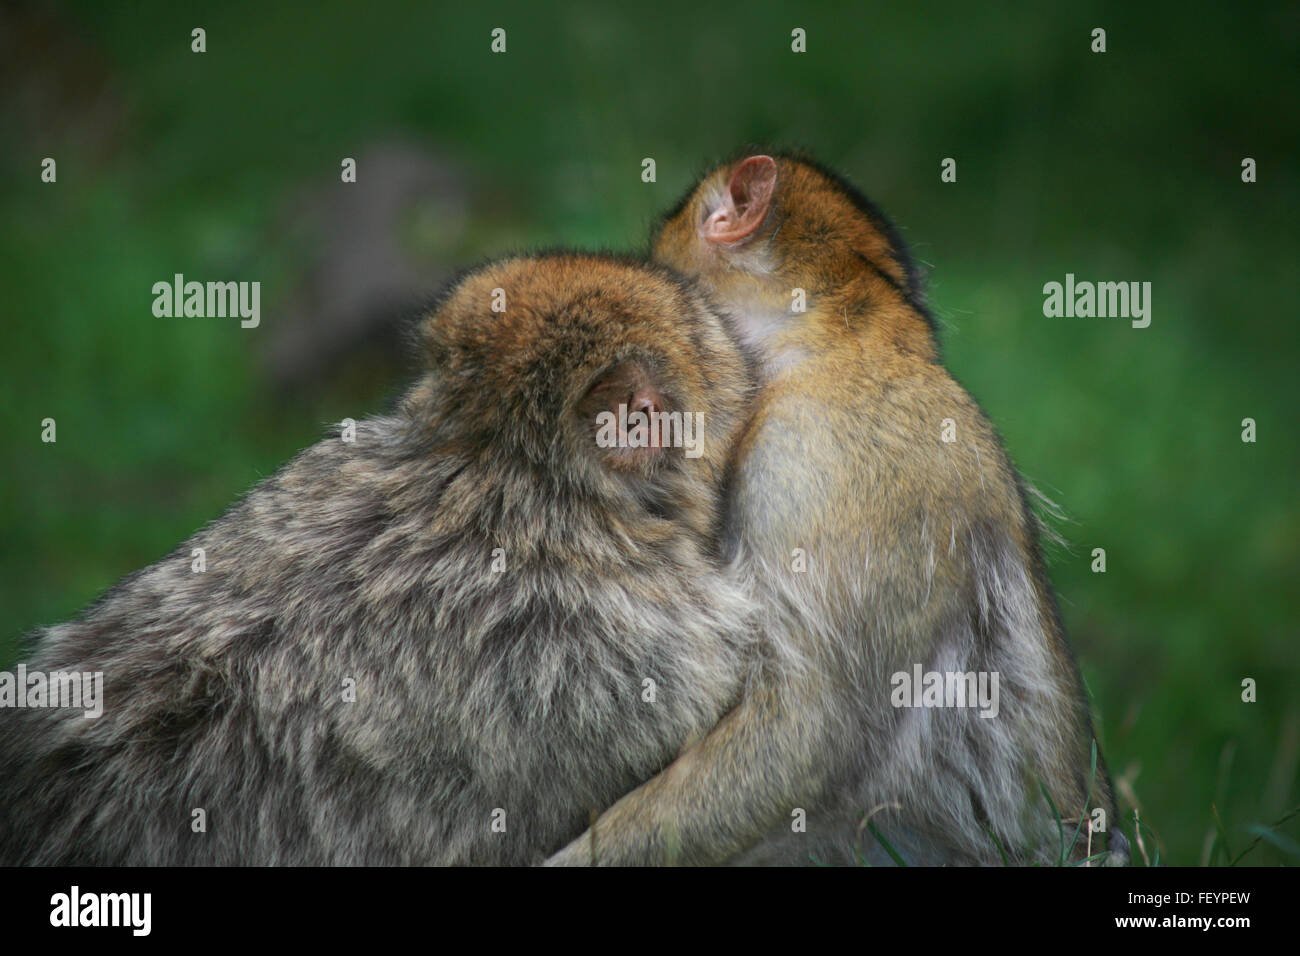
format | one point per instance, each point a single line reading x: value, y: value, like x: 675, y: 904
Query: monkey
x: 443, y: 642
x: 867, y: 462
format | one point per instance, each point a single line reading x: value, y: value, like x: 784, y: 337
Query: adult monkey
x: 882, y: 518
x: 433, y: 644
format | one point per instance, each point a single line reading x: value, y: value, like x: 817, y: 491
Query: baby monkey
x: 443, y: 642
x: 894, y: 545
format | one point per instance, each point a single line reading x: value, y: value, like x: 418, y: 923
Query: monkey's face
x: 769, y: 236
x: 595, y: 374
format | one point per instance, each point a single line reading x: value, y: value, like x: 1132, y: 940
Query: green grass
x: 1120, y: 166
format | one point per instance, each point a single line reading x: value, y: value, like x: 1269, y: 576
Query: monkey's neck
x: 862, y: 315
x: 769, y: 332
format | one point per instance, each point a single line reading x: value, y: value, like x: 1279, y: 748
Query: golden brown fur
x: 919, y: 552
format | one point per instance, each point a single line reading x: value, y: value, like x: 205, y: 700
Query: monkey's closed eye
x: 624, y: 408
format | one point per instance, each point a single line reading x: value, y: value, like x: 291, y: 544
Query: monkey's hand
x: 722, y: 795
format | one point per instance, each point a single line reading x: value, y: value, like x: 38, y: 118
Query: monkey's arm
x: 723, y: 794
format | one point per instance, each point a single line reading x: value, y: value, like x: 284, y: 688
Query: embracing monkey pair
x: 480, y: 633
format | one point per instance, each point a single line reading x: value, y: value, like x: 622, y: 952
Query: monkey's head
x: 759, y: 228
x: 588, y: 379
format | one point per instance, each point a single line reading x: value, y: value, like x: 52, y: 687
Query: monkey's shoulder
x: 836, y: 449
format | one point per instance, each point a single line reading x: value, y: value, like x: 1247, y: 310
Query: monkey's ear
x: 745, y: 206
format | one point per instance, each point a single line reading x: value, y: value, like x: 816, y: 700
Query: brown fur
x: 919, y: 552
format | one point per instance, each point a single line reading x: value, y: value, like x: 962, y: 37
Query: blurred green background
x: 1117, y: 166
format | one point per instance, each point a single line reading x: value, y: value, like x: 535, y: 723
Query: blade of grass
x: 1256, y: 842
x: 997, y: 843
x: 893, y: 854
x: 1092, y: 783
x: 1155, y: 839
x: 1221, y: 842
x: 1060, y: 824
x: 866, y: 820
x: 1279, y: 840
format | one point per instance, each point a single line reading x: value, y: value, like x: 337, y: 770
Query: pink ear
x: 749, y: 196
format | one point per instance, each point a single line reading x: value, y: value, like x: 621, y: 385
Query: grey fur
x: 476, y: 690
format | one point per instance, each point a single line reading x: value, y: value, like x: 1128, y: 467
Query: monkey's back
x: 351, y: 681
x: 883, y: 471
